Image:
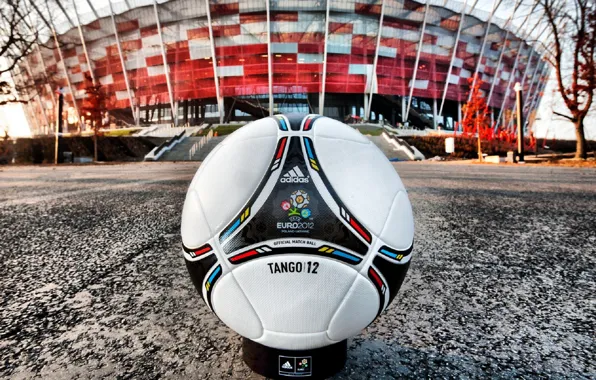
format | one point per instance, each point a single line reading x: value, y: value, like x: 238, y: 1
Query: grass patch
x: 226, y: 129
x: 120, y: 132
x: 200, y: 133
x: 372, y: 131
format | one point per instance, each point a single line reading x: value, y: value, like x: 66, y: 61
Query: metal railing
x: 392, y: 137
x: 165, y: 146
x: 167, y: 130
x: 199, y: 144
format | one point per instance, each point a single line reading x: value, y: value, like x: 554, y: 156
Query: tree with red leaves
x: 477, y: 119
x: 571, y: 51
x: 94, y: 107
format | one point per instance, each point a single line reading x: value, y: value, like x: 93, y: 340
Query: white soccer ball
x: 297, y: 231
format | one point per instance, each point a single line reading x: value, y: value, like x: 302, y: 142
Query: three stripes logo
x: 295, y: 175
x: 287, y: 365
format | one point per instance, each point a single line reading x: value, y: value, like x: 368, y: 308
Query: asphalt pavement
x: 502, y: 282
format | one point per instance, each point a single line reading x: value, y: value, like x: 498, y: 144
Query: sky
x: 552, y: 126
x: 12, y: 115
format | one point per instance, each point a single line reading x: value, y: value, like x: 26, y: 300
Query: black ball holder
x: 273, y: 363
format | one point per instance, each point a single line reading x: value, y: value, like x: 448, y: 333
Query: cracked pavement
x: 501, y: 283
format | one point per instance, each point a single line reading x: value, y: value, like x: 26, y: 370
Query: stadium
x: 401, y: 61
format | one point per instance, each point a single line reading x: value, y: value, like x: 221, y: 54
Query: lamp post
x: 520, y: 122
x: 59, y: 121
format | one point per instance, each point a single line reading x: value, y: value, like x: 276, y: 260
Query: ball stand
x: 273, y: 363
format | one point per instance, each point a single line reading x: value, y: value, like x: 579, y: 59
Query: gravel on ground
x: 502, y: 283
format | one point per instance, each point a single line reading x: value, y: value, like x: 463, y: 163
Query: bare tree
x: 572, y: 53
x: 17, y: 37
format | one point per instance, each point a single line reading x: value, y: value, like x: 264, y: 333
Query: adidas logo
x: 295, y: 175
x: 287, y: 365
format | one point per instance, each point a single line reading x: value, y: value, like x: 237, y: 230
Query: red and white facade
x: 206, y: 51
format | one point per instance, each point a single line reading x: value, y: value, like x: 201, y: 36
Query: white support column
x: 43, y: 110
x: 175, y: 114
x: 413, y: 80
x: 74, y: 100
x: 37, y: 97
x: 45, y: 72
x: 525, y: 75
x: 539, y: 85
x: 123, y: 63
x: 324, y: 74
x: 269, y: 58
x: 59, y: 4
x: 496, y: 4
x: 528, y: 117
x: 496, y: 76
x: 495, y: 79
x: 535, y: 101
x: 32, y: 116
x: 453, y: 54
x: 375, y: 61
x: 403, y: 109
x: 214, y: 61
x: 166, y: 67
x: 511, y: 77
x: 502, y: 53
x: 532, y: 101
x: 435, y: 115
x: 479, y: 62
x: 74, y: 4
x: 93, y: 9
x: 46, y: 76
x: 523, y: 81
x: 534, y: 76
x: 19, y: 79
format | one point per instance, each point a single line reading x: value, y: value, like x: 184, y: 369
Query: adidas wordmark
x: 295, y: 175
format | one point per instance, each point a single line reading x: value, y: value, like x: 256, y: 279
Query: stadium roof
x: 65, y: 14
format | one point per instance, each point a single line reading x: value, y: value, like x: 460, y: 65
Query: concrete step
x: 206, y: 149
x: 180, y: 151
x: 390, y: 151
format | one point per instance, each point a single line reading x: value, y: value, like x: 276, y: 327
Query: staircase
x: 249, y: 107
x: 388, y: 149
x: 180, y: 151
x: 124, y: 115
x: 419, y: 120
x: 168, y: 130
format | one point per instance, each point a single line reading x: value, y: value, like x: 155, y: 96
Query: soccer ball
x: 297, y: 231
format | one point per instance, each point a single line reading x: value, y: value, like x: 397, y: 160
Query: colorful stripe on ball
x: 197, y: 252
x: 394, y: 253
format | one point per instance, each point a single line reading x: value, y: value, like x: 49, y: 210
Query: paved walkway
x: 501, y: 283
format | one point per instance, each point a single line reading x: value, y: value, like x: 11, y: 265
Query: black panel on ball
x: 273, y: 363
x: 295, y: 120
x: 394, y: 274
x: 199, y: 269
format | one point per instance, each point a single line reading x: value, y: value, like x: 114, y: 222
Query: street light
x: 520, y: 123
x: 58, y: 122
